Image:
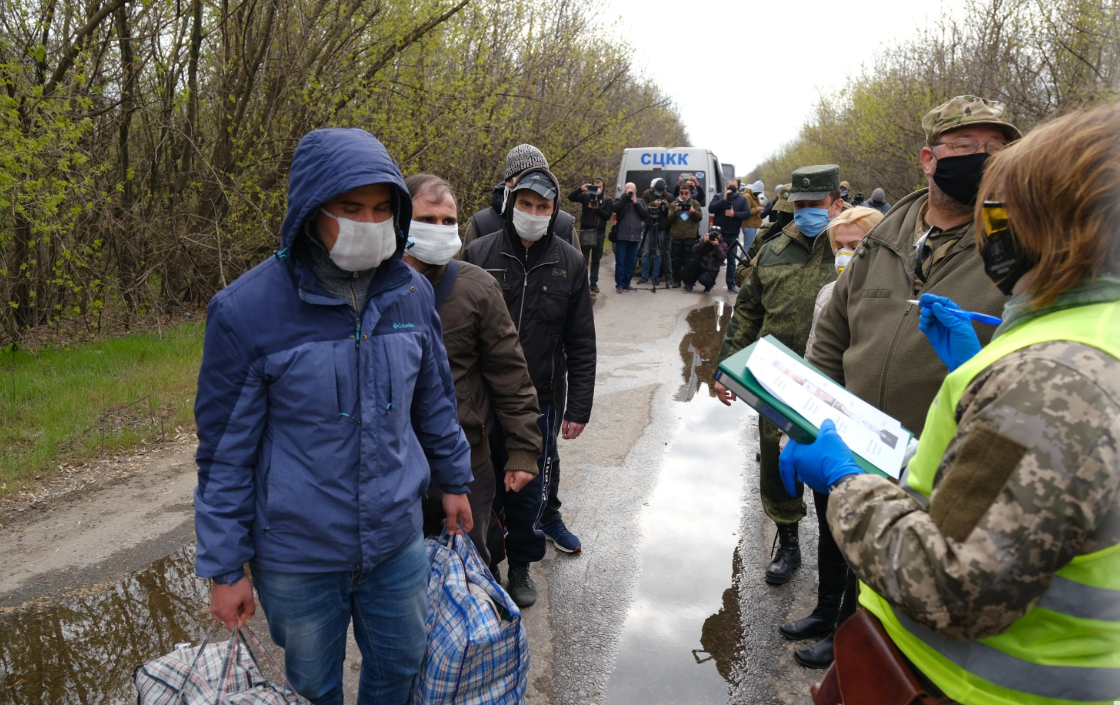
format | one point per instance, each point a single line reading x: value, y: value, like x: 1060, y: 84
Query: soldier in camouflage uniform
x: 777, y: 299
x: 1006, y: 525
x: 783, y: 216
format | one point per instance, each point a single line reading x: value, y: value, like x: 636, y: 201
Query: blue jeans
x: 748, y: 237
x: 655, y: 245
x: 309, y: 613
x: 625, y: 257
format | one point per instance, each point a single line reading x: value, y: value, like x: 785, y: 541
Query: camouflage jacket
x: 765, y: 234
x: 1037, y: 453
x: 777, y: 298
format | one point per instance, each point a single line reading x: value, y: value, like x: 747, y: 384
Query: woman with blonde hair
x: 836, y: 587
x: 845, y: 232
x: 994, y: 566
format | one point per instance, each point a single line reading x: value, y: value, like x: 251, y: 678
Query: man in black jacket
x: 730, y: 210
x: 544, y: 282
x: 594, y: 216
x: 489, y: 219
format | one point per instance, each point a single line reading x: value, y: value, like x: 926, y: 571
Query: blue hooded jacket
x: 319, y: 429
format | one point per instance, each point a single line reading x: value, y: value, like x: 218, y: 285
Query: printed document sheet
x: 878, y: 438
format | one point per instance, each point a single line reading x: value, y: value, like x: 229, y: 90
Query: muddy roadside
x: 91, y: 525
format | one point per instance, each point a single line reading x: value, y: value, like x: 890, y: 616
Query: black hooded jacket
x: 547, y: 294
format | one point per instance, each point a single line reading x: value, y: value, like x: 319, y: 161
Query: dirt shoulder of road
x: 89, y: 525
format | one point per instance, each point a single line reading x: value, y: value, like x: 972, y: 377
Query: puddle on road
x: 84, y: 649
x: 700, y: 347
x: 683, y: 629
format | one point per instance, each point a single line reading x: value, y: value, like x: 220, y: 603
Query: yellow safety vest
x: 1066, y: 649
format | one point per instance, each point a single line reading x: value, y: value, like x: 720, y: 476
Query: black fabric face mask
x: 959, y: 177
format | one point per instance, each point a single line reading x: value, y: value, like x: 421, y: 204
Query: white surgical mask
x: 843, y: 257
x: 361, y: 246
x: 530, y: 227
x: 431, y: 243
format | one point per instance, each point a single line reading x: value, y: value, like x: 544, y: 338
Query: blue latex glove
x: 820, y: 464
x: 952, y: 337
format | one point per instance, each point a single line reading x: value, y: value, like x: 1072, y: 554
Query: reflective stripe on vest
x: 1066, y: 649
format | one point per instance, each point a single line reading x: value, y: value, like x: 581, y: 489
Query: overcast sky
x: 687, y: 46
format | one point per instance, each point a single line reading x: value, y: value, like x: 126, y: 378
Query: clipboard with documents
x: 794, y: 396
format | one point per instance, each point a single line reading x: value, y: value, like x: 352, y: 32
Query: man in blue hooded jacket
x: 325, y: 403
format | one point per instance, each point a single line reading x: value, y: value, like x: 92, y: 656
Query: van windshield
x: 643, y: 179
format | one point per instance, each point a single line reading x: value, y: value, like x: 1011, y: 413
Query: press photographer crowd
x: 380, y: 380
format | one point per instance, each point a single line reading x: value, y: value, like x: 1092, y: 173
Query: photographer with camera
x: 697, y: 192
x: 703, y: 265
x: 730, y: 210
x: 632, y: 213
x: 846, y: 195
x: 684, y: 228
x: 593, y: 219
x: 655, y: 238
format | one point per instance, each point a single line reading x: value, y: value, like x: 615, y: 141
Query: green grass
x: 73, y: 404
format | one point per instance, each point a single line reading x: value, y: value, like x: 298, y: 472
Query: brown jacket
x: 867, y: 336
x: 756, y: 218
x: 489, y: 368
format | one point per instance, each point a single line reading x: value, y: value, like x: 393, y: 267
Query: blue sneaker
x: 558, y: 534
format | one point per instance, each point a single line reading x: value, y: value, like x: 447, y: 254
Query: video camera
x: 594, y: 196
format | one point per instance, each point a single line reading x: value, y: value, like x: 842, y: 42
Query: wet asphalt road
x: 666, y: 603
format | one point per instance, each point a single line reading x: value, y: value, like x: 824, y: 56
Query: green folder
x: 734, y: 375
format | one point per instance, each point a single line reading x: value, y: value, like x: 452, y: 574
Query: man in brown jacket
x: 487, y: 363
x: 867, y: 336
x: 752, y: 224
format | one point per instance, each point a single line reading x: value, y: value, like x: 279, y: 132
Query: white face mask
x: 530, y: 227
x: 361, y: 246
x: 431, y: 243
x: 843, y: 257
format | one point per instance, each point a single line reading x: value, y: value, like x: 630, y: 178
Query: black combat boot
x: 785, y: 557
x: 521, y: 587
x: 830, y: 594
x: 821, y: 655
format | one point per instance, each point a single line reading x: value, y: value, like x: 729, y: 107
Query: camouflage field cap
x: 812, y: 183
x: 966, y: 110
x: 783, y: 205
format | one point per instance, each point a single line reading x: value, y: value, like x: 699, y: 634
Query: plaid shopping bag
x: 212, y: 674
x: 478, y: 651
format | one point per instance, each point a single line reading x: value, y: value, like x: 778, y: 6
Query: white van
x: 641, y: 165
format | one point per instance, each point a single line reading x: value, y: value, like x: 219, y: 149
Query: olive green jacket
x: 680, y: 229
x: 867, y: 336
x: 777, y: 298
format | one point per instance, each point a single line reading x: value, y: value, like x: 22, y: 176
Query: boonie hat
x: 539, y: 182
x: 966, y: 110
x: 812, y: 183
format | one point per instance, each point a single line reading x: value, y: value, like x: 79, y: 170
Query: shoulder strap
x: 445, y: 284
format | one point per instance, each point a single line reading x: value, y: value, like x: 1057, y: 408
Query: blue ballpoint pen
x: 978, y: 317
